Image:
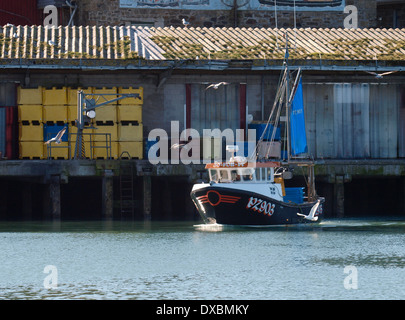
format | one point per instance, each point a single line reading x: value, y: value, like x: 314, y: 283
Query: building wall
x: 345, y: 120
x: 353, y: 120
x: 99, y: 12
x: 391, y: 16
x: 19, y: 12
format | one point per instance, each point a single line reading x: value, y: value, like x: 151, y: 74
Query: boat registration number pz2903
x: 260, y: 205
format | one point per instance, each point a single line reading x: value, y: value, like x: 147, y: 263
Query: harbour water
x: 338, y: 259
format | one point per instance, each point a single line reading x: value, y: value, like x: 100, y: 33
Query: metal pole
x: 80, y: 126
x: 287, y: 115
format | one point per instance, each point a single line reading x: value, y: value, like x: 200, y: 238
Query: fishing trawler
x: 251, y: 191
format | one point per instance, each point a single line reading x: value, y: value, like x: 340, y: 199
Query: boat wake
x: 216, y: 227
x: 325, y: 225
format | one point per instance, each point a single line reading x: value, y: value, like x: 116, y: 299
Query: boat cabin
x: 234, y: 172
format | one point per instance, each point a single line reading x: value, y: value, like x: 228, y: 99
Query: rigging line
x: 281, y: 80
x: 276, y: 122
x: 281, y: 85
x: 276, y: 101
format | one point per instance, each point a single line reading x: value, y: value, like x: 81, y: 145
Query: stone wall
x: 108, y: 12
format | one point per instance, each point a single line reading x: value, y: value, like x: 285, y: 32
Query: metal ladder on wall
x: 127, y: 203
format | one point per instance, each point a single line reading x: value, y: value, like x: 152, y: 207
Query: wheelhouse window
x: 270, y: 174
x: 235, y: 175
x: 224, y: 176
x: 247, y: 175
x: 213, y: 175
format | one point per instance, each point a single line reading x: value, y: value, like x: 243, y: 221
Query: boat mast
x: 287, y: 114
x: 287, y: 102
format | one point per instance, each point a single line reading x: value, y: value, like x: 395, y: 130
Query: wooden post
x: 167, y: 199
x: 403, y: 193
x: 27, y: 201
x: 107, y: 195
x: 311, y: 183
x: 52, y: 207
x: 3, y: 199
x: 147, y: 197
x: 339, y: 193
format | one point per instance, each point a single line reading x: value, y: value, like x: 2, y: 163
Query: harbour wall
x: 92, y: 190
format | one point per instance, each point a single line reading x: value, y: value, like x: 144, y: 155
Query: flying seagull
x: 381, y: 75
x: 311, y: 216
x: 58, y: 137
x: 185, y: 23
x: 178, y: 146
x: 216, y: 85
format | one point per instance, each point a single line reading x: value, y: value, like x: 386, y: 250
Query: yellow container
x: 134, y: 148
x: 30, y: 112
x: 55, y: 113
x: 113, y: 91
x: 71, y: 113
x: 131, y: 90
x: 106, y: 114
x: 128, y: 112
x: 32, y: 150
x: 130, y: 132
x: 72, y: 94
x: 31, y: 132
x: 55, y: 96
x: 57, y: 151
x: 100, y: 150
x: 29, y: 96
x: 99, y: 133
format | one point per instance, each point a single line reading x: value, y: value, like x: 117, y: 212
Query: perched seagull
x: 185, y: 23
x: 216, y: 85
x: 311, y: 216
x: 380, y: 75
x: 58, y: 137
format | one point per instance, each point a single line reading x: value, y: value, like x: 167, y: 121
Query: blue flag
x: 298, y: 134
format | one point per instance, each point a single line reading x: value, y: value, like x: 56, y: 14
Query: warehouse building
x: 355, y: 120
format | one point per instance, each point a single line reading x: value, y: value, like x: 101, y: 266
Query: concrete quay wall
x: 92, y: 189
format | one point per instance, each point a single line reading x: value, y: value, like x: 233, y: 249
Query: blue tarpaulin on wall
x: 297, y: 122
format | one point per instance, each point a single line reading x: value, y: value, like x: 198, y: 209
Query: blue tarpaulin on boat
x: 295, y: 195
x: 297, y: 122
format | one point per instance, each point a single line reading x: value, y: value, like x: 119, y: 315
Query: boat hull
x: 228, y: 206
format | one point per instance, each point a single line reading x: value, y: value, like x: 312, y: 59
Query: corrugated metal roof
x: 91, y: 42
x: 310, y: 43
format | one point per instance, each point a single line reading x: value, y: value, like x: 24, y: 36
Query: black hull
x: 237, y: 207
